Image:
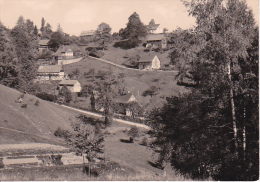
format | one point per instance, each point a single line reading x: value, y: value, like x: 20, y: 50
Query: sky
x: 75, y: 16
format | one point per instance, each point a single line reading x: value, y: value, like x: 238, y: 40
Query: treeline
x: 213, y: 130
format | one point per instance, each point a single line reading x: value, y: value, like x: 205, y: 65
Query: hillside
x: 31, y: 124
x: 117, y: 55
x: 136, y: 81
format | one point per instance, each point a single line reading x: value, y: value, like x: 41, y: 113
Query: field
x: 135, y: 81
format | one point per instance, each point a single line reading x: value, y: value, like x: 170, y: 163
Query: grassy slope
x: 136, y: 81
x: 117, y: 55
x: 34, y: 122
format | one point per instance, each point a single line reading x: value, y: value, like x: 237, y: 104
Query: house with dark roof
x: 73, y: 85
x: 149, y: 62
x: 64, y: 52
x: 156, y: 41
x: 123, y: 101
x: 50, y: 72
x: 87, y: 33
x: 152, y: 28
x: 43, y: 44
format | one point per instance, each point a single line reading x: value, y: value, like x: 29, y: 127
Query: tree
x: 57, y: 39
x: 133, y: 133
x: 153, y: 90
x: 103, y: 34
x: 66, y: 93
x: 152, y: 22
x: 26, y: 50
x: 134, y: 30
x: 43, y: 26
x: 216, y: 114
x: 86, y: 137
x: 8, y: 60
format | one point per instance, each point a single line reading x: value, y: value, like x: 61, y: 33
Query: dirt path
x: 115, y: 119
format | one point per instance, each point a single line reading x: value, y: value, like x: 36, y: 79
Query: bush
x: 48, y: 97
x: 133, y: 133
x: 37, y: 103
x: 61, y: 133
x: 96, y: 53
x: 144, y: 141
x: 24, y: 105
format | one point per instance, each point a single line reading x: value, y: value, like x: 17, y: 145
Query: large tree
x: 103, y: 34
x: 134, y: 30
x: 206, y: 133
x: 8, y: 59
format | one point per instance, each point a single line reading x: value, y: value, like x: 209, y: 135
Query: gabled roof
x: 152, y: 27
x: 87, y: 33
x: 147, y: 58
x: 63, y: 48
x: 68, y: 82
x: 50, y: 69
x: 155, y: 37
x: 124, y: 99
x: 44, y: 42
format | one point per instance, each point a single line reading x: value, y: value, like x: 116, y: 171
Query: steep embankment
x: 33, y: 123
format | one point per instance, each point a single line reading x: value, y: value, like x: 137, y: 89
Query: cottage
x: 43, y: 45
x: 73, y: 85
x: 149, y: 62
x: 64, y: 52
x: 88, y: 33
x: 156, y: 41
x: 50, y: 72
x: 123, y: 101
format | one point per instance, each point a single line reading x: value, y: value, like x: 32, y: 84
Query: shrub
x: 61, y: 133
x: 48, y: 97
x: 133, y: 133
x: 96, y: 53
x: 37, y: 103
x: 21, y: 96
x: 2, y: 163
x: 24, y: 105
x: 144, y: 141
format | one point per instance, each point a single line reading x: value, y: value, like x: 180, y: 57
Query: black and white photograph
x: 129, y: 90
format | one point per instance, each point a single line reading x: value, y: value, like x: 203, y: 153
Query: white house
x: 50, y: 72
x: 73, y: 85
x: 125, y: 99
x: 149, y: 62
x: 64, y: 52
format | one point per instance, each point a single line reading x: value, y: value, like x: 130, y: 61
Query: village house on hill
x: 88, y: 33
x: 50, y: 72
x: 123, y: 101
x: 64, y: 52
x: 156, y: 41
x: 149, y: 62
x: 43, y: 45
x: 73, y: 85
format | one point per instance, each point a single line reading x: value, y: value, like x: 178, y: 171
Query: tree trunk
x: 244, y: 136
x: 233, y: 111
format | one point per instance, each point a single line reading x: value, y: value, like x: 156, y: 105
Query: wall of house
x: 142, y: 66
x: 50, y: 76
x: 155, y: 63
x: 68, y: 61
x: 77, y: 87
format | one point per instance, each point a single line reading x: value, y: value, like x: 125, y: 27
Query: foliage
x: 62, y: 133
x: 103, y: 35
x: 134, y: 30
x: 86, y: 137
x: 8, y: 60
x: 57, y: 39
x: 136, y: 109
x: 133, y: 133
x: 153, y: 90
x: 46, y: 96
x: 37, y: 103
x: 213, y: 129
x: 96, y: 53
x: 66, y: 93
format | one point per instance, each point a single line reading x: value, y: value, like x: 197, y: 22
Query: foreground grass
x: 75, y: 172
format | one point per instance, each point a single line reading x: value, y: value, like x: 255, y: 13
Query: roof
x: 63, y: 48
x: 147, y: 58
x: 155, y: 37
x: 68, y: 82
x: 87, y: 33
x: 152, y: 27
x: 123, y: 98
x: 50, y: 69
x: 44, y: 42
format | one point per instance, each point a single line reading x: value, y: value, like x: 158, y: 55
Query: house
x: 149, y: 62
x: 152, y: 27
x: 88, y: 33
x: 43, y: 45
x: 64, y: 52
x: 50, y: 72
x: 73, y: 85
x: 156, y: 41
x: 123, y: 100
